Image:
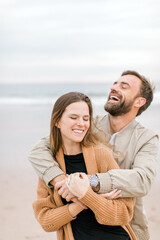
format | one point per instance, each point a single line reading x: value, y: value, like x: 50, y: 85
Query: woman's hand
x: 65, y: 193
x: 112, y: 195
x: 78, y: 184
x: 75, y: 209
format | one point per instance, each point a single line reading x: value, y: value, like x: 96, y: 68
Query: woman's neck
x: 71, y: 149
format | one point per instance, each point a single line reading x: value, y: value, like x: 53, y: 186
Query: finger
x: 59, y: 184
x: 73, y: 178
x: 65, y: 193
x: 69, y: 197
x: 117, y: 194
x: 109, y: 194
x: 104, y: 195
x: 68, y: 181
x: 112, y: 195
x: 61, y: 190
x: 68, y: 186
x: 74, y: 174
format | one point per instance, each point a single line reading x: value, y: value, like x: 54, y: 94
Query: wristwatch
x: 94, y: 182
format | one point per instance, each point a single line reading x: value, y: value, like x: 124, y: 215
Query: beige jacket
x: 138, y: 149
x: 54, y: 216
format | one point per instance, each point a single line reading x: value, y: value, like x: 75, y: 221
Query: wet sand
x: 20, y: 128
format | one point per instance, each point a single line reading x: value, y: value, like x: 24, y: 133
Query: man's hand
x: 64, y: 192
x: 112, y: 195
x: 78, y: 184
x: 57, y: 179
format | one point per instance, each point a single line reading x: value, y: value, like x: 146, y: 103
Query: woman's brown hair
x: 58, y: 110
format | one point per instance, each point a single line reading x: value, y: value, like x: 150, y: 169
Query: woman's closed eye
x: 86, y: 119
x: 73, y: 117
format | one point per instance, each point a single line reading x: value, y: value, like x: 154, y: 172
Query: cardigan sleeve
x: 50, y: 217
x: 108, y: 212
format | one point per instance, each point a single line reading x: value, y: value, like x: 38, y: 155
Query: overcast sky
x: 78, y: 40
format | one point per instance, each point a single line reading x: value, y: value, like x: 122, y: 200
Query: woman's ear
x: 139, y: 102
x: 57, y: 124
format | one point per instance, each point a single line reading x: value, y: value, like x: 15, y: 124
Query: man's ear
x: 139, y: 102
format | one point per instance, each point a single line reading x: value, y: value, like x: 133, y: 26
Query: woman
x: 76, y: 149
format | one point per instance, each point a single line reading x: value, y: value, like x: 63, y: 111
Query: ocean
x: 46, y: 94
x: 25, y: 112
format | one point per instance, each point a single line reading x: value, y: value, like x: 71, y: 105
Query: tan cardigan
x: 54, y: 216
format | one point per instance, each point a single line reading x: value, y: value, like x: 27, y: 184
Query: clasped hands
x: 76, y: 185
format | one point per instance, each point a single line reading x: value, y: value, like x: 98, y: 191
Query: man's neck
x: 119, y: 122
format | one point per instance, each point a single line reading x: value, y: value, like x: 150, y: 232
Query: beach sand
x: 21, y: 127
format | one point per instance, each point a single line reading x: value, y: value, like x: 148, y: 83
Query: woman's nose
x: 80, y: 122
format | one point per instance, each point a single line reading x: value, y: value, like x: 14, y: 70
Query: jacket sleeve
x: 43, y: 162
x: 50, y: 217
x: 109, y: 212
x: 135, y: 182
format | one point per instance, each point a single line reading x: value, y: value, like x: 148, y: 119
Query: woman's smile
x: 74, y: 123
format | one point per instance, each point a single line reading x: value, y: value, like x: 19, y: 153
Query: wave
x: 46, y: 94
x: 96, y: 100
x: 26, y: 101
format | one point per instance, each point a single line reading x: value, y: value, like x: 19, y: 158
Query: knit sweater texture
x: 54, y: 216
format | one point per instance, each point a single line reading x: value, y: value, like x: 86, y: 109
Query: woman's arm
x: 108, y: 212
x: 51, y: 217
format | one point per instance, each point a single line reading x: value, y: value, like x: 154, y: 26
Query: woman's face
x: 74, y: 122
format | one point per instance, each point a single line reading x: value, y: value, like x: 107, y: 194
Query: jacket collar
x: 130, y: 125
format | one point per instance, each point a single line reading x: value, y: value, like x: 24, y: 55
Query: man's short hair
x: 146, y: 90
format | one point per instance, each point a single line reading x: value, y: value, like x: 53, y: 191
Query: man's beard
x: 118, y: 109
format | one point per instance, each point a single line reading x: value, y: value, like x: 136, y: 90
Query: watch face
x: 94, y: 180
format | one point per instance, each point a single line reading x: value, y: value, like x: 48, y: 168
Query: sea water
x: 46, y: 94
x: 25, y: 112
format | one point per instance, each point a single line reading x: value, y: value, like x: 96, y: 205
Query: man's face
x: 122, y: 95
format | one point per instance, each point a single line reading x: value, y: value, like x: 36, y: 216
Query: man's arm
x: 135, y: 182
x: 43, y: 162
x: 46, y: 167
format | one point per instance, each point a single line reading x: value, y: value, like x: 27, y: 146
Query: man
x: 135, y: 148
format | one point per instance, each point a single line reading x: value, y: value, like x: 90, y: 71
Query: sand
x: 20, y: 128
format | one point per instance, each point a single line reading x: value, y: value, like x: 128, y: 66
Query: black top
x: 85, y: 226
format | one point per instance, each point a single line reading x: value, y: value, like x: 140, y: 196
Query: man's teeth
x: 114, y: 98
x: 78, y: 131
